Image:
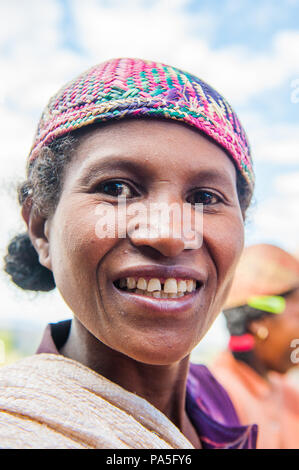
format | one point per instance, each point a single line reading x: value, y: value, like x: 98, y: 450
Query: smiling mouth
x: 159, y: 288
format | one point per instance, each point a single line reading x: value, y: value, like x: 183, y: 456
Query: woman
x: 262, y: 313
x: 129, y: 131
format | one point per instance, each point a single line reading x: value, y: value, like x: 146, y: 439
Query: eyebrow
x: 95, y: 169
x: 214, y: 176
x: 142, y: 170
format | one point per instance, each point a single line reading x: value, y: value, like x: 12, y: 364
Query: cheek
x: 279, y: 340
x: 289, y: 334
x: 277, y: 349
x: 77, y: 246
x: 225, y: 241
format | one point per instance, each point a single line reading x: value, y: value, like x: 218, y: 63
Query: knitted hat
x: 263, y: 270
x: 121, y: 88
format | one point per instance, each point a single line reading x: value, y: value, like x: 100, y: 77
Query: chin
x: 160, y: 355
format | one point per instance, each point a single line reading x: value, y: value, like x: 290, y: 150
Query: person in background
x: 262, y: 316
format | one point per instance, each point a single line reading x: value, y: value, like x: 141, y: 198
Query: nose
x: 167, y: 246
x: 159, y: 226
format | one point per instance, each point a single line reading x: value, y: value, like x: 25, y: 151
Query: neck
x: 164, y: 386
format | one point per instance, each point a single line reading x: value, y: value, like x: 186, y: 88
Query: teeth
x: 154, y: 284
x: 141, y: 284
x: 170, y: 286
x: 131, y: 282
x: 182, y: 286
x: 153, y: 288
x: 159, y: 294
x: 189, y: 285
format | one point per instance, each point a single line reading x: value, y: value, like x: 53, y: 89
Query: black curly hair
x: 43, y: 188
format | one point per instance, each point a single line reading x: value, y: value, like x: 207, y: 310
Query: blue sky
x: 248, y: 22
x: 248, y: 50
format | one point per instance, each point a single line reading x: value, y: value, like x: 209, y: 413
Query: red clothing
x: 273, y: 404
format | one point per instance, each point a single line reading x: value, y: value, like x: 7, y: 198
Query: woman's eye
x: 203, y: 197
x: 116, y: 189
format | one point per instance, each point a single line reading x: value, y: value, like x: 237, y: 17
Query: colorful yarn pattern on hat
x: 127, y: 87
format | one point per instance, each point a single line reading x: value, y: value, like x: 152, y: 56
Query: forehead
x: 165, y: 145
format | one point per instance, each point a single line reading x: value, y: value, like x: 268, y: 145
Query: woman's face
x: 279, y: 351
x: 150, y: 162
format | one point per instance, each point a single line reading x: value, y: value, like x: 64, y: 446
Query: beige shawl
x: 50, y: 402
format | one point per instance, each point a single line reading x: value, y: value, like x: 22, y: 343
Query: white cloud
x: 277, y: 144
x: 240, y: 74
x: 27, y: 21
x: 130, y: 29
x: 288, y: 183
x: 37, y: 64
x: 276, y: 219
x: 168, y: 34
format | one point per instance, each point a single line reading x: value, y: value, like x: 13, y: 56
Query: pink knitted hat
x: 122, y: 88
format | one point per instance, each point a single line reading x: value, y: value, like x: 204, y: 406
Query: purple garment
x: 213, y: 414
x: 207, y: 403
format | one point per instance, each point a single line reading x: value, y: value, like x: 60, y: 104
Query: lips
x: 162, y: 289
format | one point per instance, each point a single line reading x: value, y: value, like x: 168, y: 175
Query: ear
x: 259, y: 329
x: 38, y: 230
